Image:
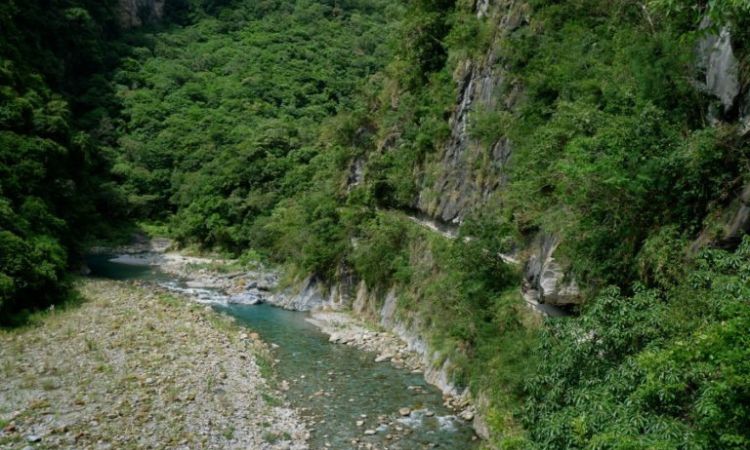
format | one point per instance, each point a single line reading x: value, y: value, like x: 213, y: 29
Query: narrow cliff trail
x: 530, y: 296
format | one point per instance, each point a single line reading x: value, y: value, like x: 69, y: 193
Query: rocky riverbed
x: 137, y: 368
x: 344, y: 329
x: 226, y: 285
x: 206, y: 277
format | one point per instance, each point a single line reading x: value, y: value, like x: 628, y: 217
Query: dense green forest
x: 304, y: 132
x: 56, y: 143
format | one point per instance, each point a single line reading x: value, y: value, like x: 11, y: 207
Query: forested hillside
x: 56, y: 142
x: 591, y: 155
x: 222, y: 117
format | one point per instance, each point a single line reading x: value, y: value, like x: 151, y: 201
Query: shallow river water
x: 333, y: 385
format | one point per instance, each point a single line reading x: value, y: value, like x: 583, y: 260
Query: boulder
x: 546, y: 276
x: 245, y: 298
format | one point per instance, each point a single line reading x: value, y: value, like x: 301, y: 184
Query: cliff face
x: 135, y: 13
x: 720, y: 75
x: 482, y: 86
x: 465, y: 172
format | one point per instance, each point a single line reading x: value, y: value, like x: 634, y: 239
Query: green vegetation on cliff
x: 222, y: 116
x: 657, y: 369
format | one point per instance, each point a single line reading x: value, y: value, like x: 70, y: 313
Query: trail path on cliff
x: 448, y: 231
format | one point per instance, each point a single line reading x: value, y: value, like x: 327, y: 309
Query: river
x: 340, y: 390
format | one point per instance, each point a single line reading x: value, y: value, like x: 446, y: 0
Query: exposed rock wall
x: 547, y: 277
x: 727, y: 229
x: 466, y: 171
x: 311, y: 293
x: 745, y: 115
x: 134, y: 13
x: 720, y: 76
x: 720, y: 67
x: 306, y: 296
x: 461, y: 183
x: 739, y: 224
x: 456, y: 187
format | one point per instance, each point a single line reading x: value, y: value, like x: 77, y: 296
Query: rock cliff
x: 720, y: 76
x: 465, y: 172
x: 134, y: 13
x: 481, y: 86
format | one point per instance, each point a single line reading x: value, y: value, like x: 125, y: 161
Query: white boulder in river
x: 245, y: 298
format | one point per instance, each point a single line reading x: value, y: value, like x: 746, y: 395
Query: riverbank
x: 343, y: 328
x: 226, y: 284
x: 205, y: 277
x: 137, y: 368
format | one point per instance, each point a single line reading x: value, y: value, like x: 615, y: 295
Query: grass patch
x: 228, y: 432
x: 273, y: 437
x: 170, y: 300
x: 270, y: 399
x: 10, y: 439
x: 49, y: 384
x: 222, y: 322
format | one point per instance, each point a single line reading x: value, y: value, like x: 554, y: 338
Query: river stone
x: 369, y: 432
x: 404, y: 411
x: 245, y: 298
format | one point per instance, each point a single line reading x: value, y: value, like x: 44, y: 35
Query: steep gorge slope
x: 588, y: 154
x: 604, y: 147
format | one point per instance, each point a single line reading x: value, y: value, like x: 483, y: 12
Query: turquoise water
x: 335, y: 385
x: 102, y: 267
